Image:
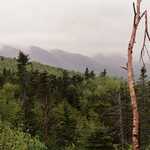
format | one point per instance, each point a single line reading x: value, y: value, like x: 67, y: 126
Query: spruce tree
x: 104, y: 73
x: 86, y: 73
x: 100, y: 140
x: 25, y: 99
x: 144, y: 104
x: 66, y: 133
x: 46, y: 89
x: 92, y: 74
x: 22, y: 62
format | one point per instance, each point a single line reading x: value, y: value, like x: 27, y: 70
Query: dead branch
x: 147, y: 52
x: 146, y: 36
x: 134, y: 9
x: 124, y: 67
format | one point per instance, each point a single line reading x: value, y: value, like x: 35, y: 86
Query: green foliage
x: 8, y: 104
x: 100, y: 140
x: 144, y: 104
x: 11, y: 64
x: 66, y: 130
x: 11, y: 139
x: 66, y: 110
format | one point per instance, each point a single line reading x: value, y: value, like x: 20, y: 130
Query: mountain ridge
x: 71, y: 61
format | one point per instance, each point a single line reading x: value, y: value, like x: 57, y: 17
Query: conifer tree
x: 24, y: 81
x: 104, y: 73
x: 22, y: 62
x: 45, y: 97
x: 144, y: 105
x: 86, y: 73
x: 125, y: 116
x: 100, y: 139
x: 92, y: 74
x: 66, y: 134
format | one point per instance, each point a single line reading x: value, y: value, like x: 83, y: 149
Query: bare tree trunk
x: 135, y: 113
x: 136, y: 120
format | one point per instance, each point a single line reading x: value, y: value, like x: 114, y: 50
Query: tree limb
x: 134, y: 9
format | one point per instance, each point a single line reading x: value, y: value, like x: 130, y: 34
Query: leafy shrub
x: 11, y: 139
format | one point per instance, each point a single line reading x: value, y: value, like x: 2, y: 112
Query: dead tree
x: 136, y: 120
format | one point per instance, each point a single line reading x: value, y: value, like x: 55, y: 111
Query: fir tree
x: 66, y: 134
x: 86, y: 73
x: 100, y: 140
x: 104, y: 73
x: 44, y: 94
x: 92, y: 74
x: 26, y: 100
x: 144, y: 105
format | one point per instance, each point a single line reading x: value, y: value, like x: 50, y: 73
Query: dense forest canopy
x: 47, y: 108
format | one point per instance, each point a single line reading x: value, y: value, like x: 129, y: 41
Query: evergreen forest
x: 48, y: 108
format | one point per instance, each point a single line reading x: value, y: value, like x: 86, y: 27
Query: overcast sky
x: 82, y: 26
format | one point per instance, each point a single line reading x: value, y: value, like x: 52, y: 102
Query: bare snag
x: 135, y: 113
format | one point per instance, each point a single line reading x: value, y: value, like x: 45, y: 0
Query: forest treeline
x: 43, y: 110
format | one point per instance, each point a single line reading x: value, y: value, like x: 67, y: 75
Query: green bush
x: 11, y: 139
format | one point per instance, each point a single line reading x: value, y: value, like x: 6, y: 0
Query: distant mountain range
x: 72, y: 61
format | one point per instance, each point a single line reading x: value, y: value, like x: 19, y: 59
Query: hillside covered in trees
x: 47, y: 108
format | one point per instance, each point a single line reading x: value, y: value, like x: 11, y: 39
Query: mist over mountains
x: 72, y: 61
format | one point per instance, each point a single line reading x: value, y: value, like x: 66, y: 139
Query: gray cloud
x: 85, y: 26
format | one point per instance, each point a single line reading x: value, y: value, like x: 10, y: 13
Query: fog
x: 81, y: 26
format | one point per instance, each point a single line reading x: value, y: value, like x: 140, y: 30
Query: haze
x: 80, y: 26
